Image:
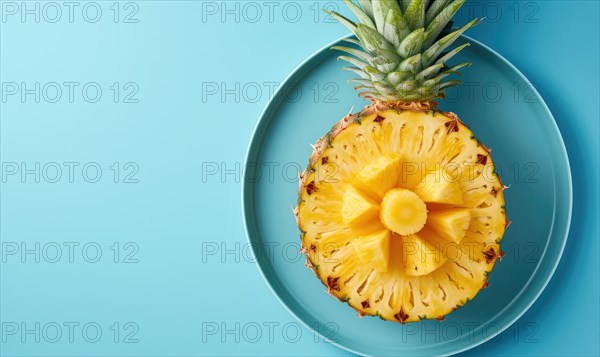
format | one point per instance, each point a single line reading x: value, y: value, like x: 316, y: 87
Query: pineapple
x: 409, y: 224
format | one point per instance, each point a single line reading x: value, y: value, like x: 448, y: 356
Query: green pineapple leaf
x: 353, y: 51
x: 374, y: 73
x: 363, y: 17
x: 436, y: 49
x: 415, y: 14
x: 411, y: 64
x: 412, y: 44
x: 396, y: 77
x: 404, y: 4
x: 357, y: 71
x: 384, y: 88
x: 435, y: 26
x: 402, y: 47
x: 445, y: 58
x: 429, y: 72
x: 371, y: 39
x: 435, y: 8
x: 448, y: 84
x: 396, y: 27
x: 343, y: 20
x: 363, y: 82
x: 356, y: 62
x: 367, y: 7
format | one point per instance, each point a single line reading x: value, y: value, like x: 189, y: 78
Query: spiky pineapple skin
x: 373, y: 112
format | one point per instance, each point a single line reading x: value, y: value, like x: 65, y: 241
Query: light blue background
x: 176, y: 53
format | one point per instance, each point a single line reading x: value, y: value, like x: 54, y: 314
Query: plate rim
x: 275, y: 102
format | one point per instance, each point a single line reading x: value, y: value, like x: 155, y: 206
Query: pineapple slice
x: 403, y: 212
x: 357, y: 207
x: 439, y: 188
x: 379, y: 176
x: 374, y: 250
x: 401, y: 251
x: 451, y: 224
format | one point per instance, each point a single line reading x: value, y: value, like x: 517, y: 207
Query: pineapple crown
x: 401, y: 54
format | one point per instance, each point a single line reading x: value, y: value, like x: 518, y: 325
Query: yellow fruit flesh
x: 403, y: 212
x: 358, y: 208
x: 379, y: 176
x: 420, y: 257
x: 451, y: 224
x: 374, y: 249
x: 439, y: 188
x: 464, y: 216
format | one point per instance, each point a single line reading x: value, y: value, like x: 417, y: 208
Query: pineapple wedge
x: 357, y: 207
x: 374, y: 249
x: 439, y: 188
x: 451, y: 224
x: 379, y: 176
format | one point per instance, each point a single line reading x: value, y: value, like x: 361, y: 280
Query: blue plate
x: 504, y: 111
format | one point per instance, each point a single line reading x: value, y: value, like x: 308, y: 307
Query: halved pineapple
x: 404, y: 247
x: 411, y: 224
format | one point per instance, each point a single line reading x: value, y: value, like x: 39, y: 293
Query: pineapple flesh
x: 410, y: 224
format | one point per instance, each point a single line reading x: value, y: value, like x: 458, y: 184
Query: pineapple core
x: 403, y: 212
